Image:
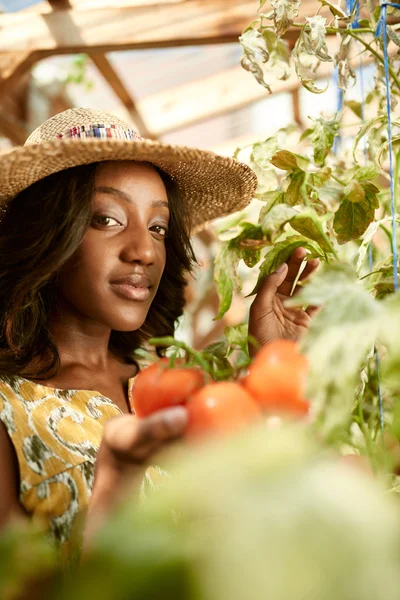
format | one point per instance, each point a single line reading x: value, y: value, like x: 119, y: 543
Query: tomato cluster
x: 275, y: 384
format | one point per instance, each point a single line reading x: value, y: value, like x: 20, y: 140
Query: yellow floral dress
x: 56, y: 435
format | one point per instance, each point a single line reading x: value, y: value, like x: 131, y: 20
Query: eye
x: 160, y: 230
x: 104, y: 221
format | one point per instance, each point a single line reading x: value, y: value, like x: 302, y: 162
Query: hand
x: 128, y: 444
x: 269, y: 318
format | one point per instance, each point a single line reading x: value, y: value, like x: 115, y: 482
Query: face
x: 113, y: 276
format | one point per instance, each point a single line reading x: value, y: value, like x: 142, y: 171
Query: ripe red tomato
x: 277, y: 378
x: 158, y: 387
x: 220, y: 408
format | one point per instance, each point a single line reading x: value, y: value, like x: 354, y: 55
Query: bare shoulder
x: 10, y: 506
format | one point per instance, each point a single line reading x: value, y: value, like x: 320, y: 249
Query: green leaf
x: 355, y: 106
x: 319, y: 178
x: 338, y: 340
x: 262, y: 152
x: 285, y: 11
x: 285, y: 160
x: 251, y: 257
x: 330, y: 195
x: 237, y: 335
x: 354, y: 191
x: 271, y: 199
x: 267, y: 179
x: 308, y: 224
x: 364, y: 130
x: 262, y: 2
x: 226, y: 276
x: 273, y: 222
x: 377, y: 12
x: 352, y: 219
x: 306, y: 133
x: 368, y: 172
x: 294, y: 181
x: 366, y: 240
x: 280, y: 253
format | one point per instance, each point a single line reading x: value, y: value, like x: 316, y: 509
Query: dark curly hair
x: 40, y: 229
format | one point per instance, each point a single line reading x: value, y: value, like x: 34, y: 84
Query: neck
x: 80, y: 342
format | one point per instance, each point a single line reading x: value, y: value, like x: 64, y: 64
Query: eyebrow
x: 120, y: 194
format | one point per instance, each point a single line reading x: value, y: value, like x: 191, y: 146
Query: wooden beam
x: 108, y: 72
x: 12, y: 128
x: 115, y: 82
x: 14, y: 65
x: 296, y: 107
x: 210, y: 97
x: 132, y: 27
x: 215, y: 95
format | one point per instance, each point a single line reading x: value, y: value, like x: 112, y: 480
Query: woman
x: 95, y: 248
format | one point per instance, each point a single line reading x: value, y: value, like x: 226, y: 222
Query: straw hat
x: 213, y: 186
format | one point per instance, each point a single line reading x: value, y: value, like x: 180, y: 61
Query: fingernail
x: 281, y: 268
x: 177, y: 417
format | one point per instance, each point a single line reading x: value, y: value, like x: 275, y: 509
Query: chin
x: 124, y: 323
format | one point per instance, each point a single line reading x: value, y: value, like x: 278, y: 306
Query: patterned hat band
x: 210, y: 186
x: 100, y: 130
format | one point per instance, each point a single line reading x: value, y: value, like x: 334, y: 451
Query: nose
x: 138, y: 245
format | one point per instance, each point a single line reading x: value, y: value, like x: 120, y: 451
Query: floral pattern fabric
x: 56, y: 435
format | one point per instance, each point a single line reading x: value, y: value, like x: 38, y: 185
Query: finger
x: 134, y: 440
x: 312, y: 311
x: 294, y: 263
x: 270, y: 286
x: 310, y: 267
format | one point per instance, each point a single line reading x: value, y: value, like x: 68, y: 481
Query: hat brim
x: 211, y: 185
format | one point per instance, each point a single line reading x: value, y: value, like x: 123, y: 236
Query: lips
x: 133, y: 287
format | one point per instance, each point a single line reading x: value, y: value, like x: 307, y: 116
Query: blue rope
x: 382, y: 30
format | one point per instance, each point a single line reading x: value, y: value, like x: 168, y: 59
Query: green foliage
x: 337, y: 206
x: 231, y: 518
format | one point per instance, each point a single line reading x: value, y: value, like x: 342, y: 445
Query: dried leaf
x: 314, y: 38
x: 306, y: 66
x: 346, y: 73
x: 335, y: 9
x: 322, y: 138
x: 366, y: 240
x: 382, y: 149
x: 279, y: 51
x: 381, y: 119
x: 393, y: 36
x: 255, y: 55
x: 285, y: 12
